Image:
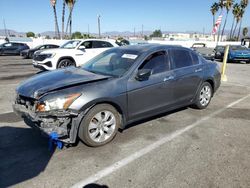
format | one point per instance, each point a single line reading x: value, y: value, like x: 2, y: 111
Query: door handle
x: 168, y: 78
x: 198, y: 70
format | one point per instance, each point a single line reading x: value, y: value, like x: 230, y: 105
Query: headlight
x: 49, y: 55
x: 60, y: 103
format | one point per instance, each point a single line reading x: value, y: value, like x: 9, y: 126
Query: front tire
x: 30, y: 55
x: 204, y: 96
x: 65, y: 63
x: 100, y: 125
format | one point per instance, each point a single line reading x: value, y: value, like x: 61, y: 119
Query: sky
x: 116, y: 15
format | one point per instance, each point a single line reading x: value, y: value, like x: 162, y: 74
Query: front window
x: 115, y: 62
x: 157, y: 62
x: 70, y: 44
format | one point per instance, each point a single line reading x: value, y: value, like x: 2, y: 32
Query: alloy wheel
x: 102, y: 126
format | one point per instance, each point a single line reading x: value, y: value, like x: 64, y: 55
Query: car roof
x: 92, y: 40
x: 149, y: 47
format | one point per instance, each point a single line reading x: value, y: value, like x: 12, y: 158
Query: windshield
x: 220, y: 48
x: 238, y: 48
x: 70, y: 44
x: 114, y: 62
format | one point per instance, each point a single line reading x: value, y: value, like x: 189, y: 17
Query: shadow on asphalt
x: 24, y: 154
x: 93, y: 185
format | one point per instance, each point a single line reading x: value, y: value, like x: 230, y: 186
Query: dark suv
x: 12, y: 48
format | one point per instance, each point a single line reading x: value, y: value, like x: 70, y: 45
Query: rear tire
x: 204, y: 96
x: 100, y: 125
x: 65, y: 63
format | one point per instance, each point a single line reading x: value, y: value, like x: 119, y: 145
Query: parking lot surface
x: 184, y: 148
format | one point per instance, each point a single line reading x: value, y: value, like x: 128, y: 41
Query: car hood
x: 54, y: 50
x: 240, y: 51
x: 40, y: 84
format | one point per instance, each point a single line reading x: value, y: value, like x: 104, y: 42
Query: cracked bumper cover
x: 64, y: 123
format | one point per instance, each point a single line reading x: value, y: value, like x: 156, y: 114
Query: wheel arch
x: 117, y: 106
x: 211, y: 82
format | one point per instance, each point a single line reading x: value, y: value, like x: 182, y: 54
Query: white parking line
x: 114, y: 167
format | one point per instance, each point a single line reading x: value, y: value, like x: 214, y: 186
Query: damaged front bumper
x: 64, y: 123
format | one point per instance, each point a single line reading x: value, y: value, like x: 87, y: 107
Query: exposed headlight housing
x: 60, y: 103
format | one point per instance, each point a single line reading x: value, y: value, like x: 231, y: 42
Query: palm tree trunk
x: 235, y: 29
x: 56, y: 23
x: 70, y: 19
x: 225, y: 23
x: 218, y: 36
x: 63, y: 18
x: 70, y: 27
x: 213, y: 24
x: 231, y: 31
x: 238, y: 37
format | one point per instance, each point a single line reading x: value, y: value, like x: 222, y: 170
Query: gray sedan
x: 116, y: 88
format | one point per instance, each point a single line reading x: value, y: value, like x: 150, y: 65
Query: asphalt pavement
x: 182, y: 148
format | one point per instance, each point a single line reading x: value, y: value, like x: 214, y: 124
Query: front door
x: 148, y: 96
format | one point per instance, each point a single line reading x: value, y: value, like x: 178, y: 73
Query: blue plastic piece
x: 53, y: 140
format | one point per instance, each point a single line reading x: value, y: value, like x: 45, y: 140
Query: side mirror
x: 82, y: 48
x: 143, y: 74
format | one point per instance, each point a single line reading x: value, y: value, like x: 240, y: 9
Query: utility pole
x: 99, y: 25
x: 134, y: 31
x: 88, y: 30
x: 142, y: 30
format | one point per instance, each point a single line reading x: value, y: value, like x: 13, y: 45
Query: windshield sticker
x: 129, y: 56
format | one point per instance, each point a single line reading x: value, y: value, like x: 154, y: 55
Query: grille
x: 39, y: 57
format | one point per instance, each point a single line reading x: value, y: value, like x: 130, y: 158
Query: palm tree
x: 243, y: 5
x: 53, y: 4
x: 241, y: 13
x: 71, y: 4
x: 221, y: 6
x: 214, y: 9
x: 237, y: 16
x: 228, y: 5
x: 63, y: 17
x: 234, y: 12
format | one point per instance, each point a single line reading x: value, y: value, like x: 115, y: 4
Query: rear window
x: 195, y: 58
x: 101, y: 44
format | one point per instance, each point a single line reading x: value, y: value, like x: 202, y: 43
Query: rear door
x: 148, y: 96
x: 188, y: 73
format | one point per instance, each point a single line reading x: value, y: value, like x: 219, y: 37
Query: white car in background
x: 72, y: 53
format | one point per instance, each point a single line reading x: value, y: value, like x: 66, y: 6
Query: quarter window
x: 195, y: 59
x: 156, y: 62
x: 181, y: 58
